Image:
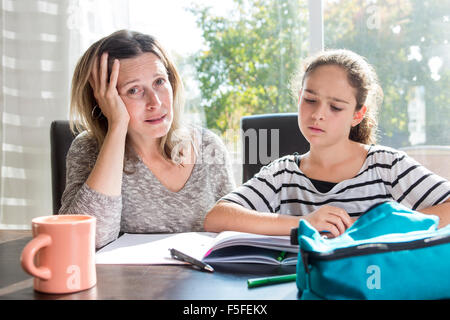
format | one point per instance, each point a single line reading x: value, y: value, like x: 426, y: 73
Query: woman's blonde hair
x: 123, y: 44
x: 361, y: 76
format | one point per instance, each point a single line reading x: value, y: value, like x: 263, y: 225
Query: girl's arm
x: 442, y: 211
x: 229, y: 216
x: 415, y: 186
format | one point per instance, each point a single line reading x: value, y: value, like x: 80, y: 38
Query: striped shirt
x: 387, y: 174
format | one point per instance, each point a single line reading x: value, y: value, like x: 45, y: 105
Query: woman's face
x: 327, y: 106
x: 143, y: 84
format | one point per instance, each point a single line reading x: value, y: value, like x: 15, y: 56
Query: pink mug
x: 61, y: 255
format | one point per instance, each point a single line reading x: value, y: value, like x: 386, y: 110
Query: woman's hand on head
x: 105, y: 92
x: 332, y: 219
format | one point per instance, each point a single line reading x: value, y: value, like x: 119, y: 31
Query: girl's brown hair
x: 123, y: 44
x: 361, y: 76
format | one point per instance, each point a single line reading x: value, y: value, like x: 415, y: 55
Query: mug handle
x: 28, y: 253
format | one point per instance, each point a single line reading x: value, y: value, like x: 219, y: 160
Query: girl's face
x: 327, y: 106
x: 143, y: 84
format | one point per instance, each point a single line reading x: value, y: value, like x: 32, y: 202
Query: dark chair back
x: 60, y: 140
x: 268, y: 137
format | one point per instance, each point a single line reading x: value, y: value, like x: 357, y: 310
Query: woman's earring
x: 96, y: 117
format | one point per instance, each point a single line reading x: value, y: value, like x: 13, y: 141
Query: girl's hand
x: 332, y: 219
x: 108, y: 99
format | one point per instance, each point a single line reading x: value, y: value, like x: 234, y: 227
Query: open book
x: 228, y: 246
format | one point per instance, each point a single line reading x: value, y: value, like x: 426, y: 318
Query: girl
x: 343, y: 174
x: 136, y: 167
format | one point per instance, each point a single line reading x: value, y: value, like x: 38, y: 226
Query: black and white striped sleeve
x: 259, y: 193
x: 414, y: 185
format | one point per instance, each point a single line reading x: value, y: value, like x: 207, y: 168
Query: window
x: 249, y: 56
x: 407, y: 42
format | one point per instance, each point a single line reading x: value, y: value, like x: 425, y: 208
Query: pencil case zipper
x: 370, y: 248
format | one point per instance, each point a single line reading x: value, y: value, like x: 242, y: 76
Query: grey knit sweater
x: 145, y: 205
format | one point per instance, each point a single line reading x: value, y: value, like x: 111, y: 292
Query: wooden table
x: 155, y: 282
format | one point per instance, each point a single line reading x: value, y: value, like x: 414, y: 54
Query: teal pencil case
x: 390, y: 252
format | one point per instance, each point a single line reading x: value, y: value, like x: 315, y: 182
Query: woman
x: 136, y: 167
x: 343, y: 174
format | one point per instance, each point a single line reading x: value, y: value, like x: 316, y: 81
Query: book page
x: 154, y: 248
x: 233, y: 238
x: 147, y: 249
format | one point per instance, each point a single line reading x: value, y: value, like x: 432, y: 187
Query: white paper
x: 147, y: 249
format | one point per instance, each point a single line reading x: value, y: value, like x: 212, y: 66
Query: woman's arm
x: 106, y: 176
x: 94, y: 182
x: 79, y: 198
x: 441, y: 210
